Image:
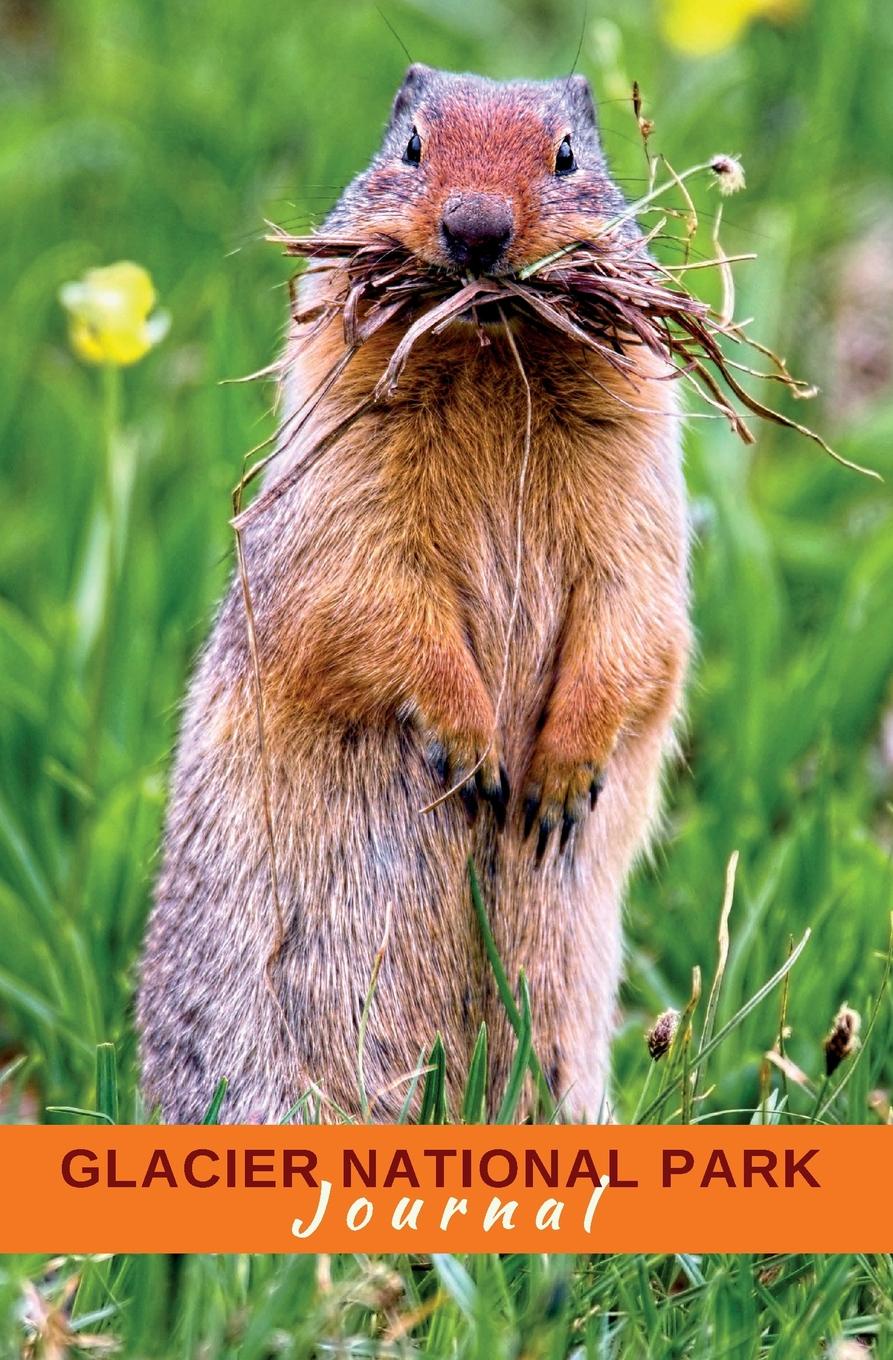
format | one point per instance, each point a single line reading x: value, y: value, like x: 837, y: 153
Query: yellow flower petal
x: 701, y: 27
x: 84, y: 343
x: 107, y: 346
x: 109, y: 314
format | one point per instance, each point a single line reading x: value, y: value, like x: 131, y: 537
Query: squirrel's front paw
x: 558, y: 793
x: 454, y: 755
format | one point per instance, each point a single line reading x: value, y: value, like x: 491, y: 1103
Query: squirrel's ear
x: 582, y: 100
x: 413, y: 84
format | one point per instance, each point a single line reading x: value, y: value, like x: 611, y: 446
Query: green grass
x: 165, y: 132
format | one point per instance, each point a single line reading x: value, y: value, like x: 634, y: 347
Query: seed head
x: 662, y: 1034
x: 729, y: 174
x: 843, y: 1038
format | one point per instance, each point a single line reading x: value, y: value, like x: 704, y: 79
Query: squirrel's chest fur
x: 430, y: 487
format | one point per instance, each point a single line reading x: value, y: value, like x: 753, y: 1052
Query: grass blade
x: 515, y: 1084
x: 434, y: 1102
x: 213, y: 1112
x: 474, y: 1103
x: 546, y: 1098
x: 107, y: 1081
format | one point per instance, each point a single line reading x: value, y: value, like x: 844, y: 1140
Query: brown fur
x: 382, y: 588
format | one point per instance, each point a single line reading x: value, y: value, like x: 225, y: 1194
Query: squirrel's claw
x: 496, y: 792
x: 531, y: 808
x: 490, y: 783
x: 469, y: 795
x: 547, y: 826
x: 439, y: 760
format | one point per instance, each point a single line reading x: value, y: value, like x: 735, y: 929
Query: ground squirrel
x: 382, y: 588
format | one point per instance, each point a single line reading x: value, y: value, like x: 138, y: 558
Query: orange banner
x: 391, y: 1188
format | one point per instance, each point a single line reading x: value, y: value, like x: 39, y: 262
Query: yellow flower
x: 699, y: 27
x: 108, y: 310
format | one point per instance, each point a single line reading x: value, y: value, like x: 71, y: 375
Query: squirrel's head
x: 479, y: 177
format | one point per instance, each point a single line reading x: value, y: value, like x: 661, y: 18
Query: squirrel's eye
x: 564, y: 161
x: 413, y: 153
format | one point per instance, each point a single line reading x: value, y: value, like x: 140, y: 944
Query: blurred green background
x: 165, y: 133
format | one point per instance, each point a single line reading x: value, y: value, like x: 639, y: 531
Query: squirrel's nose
x: 476, y: 229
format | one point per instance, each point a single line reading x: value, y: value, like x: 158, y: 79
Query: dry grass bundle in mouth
x: 607, y: 294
